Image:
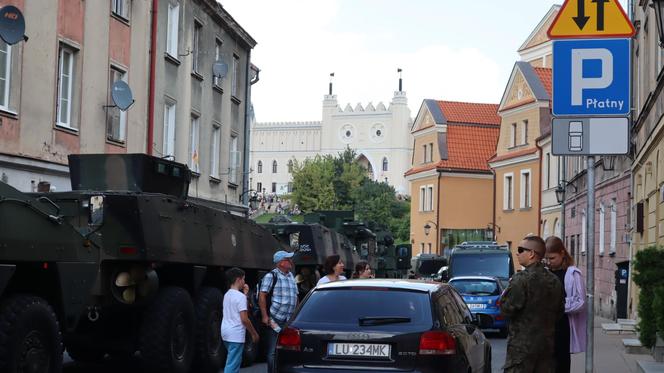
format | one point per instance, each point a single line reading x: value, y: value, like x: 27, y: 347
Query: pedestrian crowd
x: 545, y: 303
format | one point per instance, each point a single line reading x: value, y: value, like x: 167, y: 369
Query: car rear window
x: 476, y: 287
x: 348, y: 306
x: 497, y: 265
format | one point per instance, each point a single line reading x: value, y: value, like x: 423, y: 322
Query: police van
x: 480, y: 258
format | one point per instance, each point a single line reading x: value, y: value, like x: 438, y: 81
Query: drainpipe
x: 247, y: 119
x: 539, y: 190
x: 438, y: 251
x: 153, y: 63
x: 493, y: 210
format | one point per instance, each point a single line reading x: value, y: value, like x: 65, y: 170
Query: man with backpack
x: 277, y: 300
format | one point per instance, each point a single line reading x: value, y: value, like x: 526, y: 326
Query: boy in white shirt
x: 235, y: 321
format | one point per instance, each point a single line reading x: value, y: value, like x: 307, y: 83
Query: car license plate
x: 474, y: 306
x: 358, y: 349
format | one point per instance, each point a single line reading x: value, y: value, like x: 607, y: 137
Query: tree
x: 313, y: 184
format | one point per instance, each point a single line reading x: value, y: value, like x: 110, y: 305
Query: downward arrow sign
x: 580, y: 18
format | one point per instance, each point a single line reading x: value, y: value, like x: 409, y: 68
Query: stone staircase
x: 633, y: 346
x: 623, y: 326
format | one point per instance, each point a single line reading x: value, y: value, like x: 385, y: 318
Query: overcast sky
x: 448, y: 50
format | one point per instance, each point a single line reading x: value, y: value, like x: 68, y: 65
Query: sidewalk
x: 610, y: 356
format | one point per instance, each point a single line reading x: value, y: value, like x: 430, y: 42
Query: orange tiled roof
x: 468, y: 147
x: 544, y: 75
x: 467, y: 112
x: 510, y: 155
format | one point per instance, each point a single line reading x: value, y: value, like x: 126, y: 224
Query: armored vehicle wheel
x: 30, y: 336
x: 167, y: 333
x: 210, y: 351
x: 84, y: 352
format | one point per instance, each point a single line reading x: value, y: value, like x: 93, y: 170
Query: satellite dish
x: 12, y: 25
x: 219, y: 69
x: 121, y: 95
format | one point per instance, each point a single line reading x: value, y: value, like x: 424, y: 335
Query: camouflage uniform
x: 533, y: 301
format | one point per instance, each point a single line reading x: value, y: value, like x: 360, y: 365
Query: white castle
x: 380, y: 136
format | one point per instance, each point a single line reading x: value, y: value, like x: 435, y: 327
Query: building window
x: 260, y: 167
x: 121, y: 8
x: 172, y: 30
x: 614, y: 217
x: 601, y: 229
x: 65, y: 87
x: 274, y: 166
x: 429, y: 246
x: 259, y: 187
x: 524, y: 133
x: 290, y: 187
x: 513, y: 135
x: 195, y: 150
x: 548, y: 170
x: 169, y: 131
x: 116, y: 119
x: 424, y: 154
x: 422, y: 198
x: 526, y: 201
x: 234, y: 159
x: 582, y: 241
x: 235, y: 85
x: 385, y: 164
x: 430, y: 152
x: 274, y: 187
x: 429, y: 198
x: 290, y: 166
x: 422, y: 248
x: 5, y: 73
x: 214, y: 154
x: 545, y: 229
x: 508, y: 192
x: 217, y: 58
x: 197, y: 48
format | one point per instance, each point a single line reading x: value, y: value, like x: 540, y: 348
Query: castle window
x: 260, y: 167
x: 385, y: 164
x: 274, y: 166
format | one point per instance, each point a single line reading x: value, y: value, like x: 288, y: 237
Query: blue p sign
x: 591, y: 77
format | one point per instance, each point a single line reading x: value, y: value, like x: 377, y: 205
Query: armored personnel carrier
x: 124, y: 262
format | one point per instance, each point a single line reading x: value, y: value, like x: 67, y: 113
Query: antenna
x: 331, y: 78
x: 400, y: 85
x: 12, y: 25
x: 219, y: 69
x: 121, y: 95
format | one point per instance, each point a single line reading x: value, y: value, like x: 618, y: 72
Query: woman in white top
x: 334, y: 267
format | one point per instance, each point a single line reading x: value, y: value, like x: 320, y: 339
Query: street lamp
x: 659, y: 10
x: 560, y: 190
x: 427, y: 227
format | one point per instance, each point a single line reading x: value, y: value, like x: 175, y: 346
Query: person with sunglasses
x: 534, y: 302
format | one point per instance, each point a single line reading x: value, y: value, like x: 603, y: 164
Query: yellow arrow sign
x: 591, y: 19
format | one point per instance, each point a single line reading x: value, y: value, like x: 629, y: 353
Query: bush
x: 649, y: 276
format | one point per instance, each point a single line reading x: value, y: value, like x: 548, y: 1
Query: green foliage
x: 313, y: 184
x: 649, y: 275
x: 341, y: 183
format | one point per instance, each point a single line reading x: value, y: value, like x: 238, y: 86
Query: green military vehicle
x: 124, y: 262
x: 392, y: 260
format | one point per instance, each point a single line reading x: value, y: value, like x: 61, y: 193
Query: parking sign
x: 591, y: 77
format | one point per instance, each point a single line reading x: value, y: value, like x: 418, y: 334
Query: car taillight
x: 289, y: 339
x: 437, y: 343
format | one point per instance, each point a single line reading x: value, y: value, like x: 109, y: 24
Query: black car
x: 383, y: 326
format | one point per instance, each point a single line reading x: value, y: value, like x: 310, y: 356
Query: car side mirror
x: 444, y: 275
x: 483, y: 321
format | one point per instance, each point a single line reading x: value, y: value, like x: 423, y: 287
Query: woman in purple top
x: 571, y: 328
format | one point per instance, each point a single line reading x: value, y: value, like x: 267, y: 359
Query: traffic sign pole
x: 590, y: 263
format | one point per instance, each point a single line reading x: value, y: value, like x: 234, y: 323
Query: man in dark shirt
x: 534, y: 302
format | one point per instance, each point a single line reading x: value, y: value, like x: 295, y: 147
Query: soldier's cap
x: 281, y: 255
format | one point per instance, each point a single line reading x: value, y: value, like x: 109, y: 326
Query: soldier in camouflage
x: 534, y: 302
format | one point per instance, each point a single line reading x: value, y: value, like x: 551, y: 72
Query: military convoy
x: 328, y: 232
x: 123, y: 262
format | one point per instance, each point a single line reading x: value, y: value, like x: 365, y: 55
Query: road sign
x: 590, y: 136
x: 591, y: 19
x: 591, y: 77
